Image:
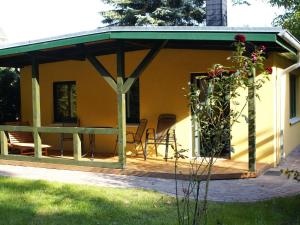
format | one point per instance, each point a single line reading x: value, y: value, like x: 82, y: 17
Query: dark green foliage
x: 294, y: 174
x: 154, y: 12
x: 9, y: 95
x: 212, y: 113
x: 291, y: 18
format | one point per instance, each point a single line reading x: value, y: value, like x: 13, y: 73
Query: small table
x: 134, y: 125
x: 92, y: 142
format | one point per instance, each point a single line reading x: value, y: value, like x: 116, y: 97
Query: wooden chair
x: 163, y: 135
x: 135, y: 137
x: 23, y: 142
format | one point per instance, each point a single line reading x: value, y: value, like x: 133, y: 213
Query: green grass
x: 27, y: 202
x: 278, y: 211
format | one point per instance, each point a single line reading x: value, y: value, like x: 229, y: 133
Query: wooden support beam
x: 3, y: 142
x: 56, y: 56
x: 81, y: 130
x: 251, y: 123
x: 16, y: 128
x: 121, y: 61
x: 138, y: 44
x: 83, y: 162
x: 121, y: 124
x: 36, y: 109
x: 77, y: 146
x: 65, y: 130
x: 142, y: 66
x: 121, y: 107
x: 102, y: 71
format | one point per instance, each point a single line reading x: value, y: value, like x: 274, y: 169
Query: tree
x: 154, y: 12
x: 9, y: 95
x: 291, y: 18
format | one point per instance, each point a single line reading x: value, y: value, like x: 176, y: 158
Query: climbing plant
x: 215, y: 110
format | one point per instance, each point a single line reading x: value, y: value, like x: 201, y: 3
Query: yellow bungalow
x: 111, y: 78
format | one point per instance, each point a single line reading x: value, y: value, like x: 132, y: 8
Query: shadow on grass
x: 6, y: 174
x: 25, y: 202
x: 38, y: 202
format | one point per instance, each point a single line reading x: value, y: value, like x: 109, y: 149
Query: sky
x: 33, y: 19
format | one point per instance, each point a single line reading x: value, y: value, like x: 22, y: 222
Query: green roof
x: 216, y: 37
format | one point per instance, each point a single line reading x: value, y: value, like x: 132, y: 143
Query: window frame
x: 293, y: 95
x: 136, y: 118
x: 56, y: 117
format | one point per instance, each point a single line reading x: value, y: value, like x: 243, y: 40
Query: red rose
x: 269, y: 70
x: 240, y: 38
x: 230, y: 72
x: 217, y: 71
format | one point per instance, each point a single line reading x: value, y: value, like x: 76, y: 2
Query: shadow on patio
x: 152, y: 167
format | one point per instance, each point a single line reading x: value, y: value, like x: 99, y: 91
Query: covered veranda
x: 87, y: 46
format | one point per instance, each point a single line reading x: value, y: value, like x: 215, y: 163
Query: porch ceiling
x: 106, y: 41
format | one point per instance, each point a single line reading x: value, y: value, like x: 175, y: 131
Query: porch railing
x: 38, y: 157
x: 120, y: 86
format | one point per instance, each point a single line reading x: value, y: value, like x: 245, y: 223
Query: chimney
x: 216, y: 12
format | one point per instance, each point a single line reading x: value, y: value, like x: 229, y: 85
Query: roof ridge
x: 146, y: 29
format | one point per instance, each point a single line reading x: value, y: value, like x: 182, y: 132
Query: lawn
x: 27, y: 202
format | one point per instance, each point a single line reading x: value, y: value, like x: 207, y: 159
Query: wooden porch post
x: 121, y: 107
x: 252, y: 123
x: 3, y: 143
x: 77, y: 146
x: 122, y: 86
x: 36, y: 110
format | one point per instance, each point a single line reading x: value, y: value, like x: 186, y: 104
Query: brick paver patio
x: 270, y: 184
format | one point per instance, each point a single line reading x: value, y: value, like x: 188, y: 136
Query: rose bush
x: 214, y: 118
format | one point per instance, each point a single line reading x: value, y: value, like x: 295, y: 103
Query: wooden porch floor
x: 152, y: 167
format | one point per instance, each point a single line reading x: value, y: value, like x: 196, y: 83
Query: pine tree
x: 154, y: 12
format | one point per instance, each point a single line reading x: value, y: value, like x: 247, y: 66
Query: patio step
x: 133, y: 169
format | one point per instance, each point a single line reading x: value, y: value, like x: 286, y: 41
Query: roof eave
x: 217, y: 34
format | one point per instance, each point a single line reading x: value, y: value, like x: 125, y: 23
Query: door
x: 202, y: 85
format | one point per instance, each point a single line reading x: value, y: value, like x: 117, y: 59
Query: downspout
x: 285, y: 35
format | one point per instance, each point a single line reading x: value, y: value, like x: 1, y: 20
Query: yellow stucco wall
x: 264, y: 123
x: 291, y: 132
x: 160, y: 92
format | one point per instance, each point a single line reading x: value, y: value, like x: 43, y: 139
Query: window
x: 293, y: 95
x: 65, y: 104
x: 133, y: 103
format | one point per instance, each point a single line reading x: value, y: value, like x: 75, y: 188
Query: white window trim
x: 294, y: 120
